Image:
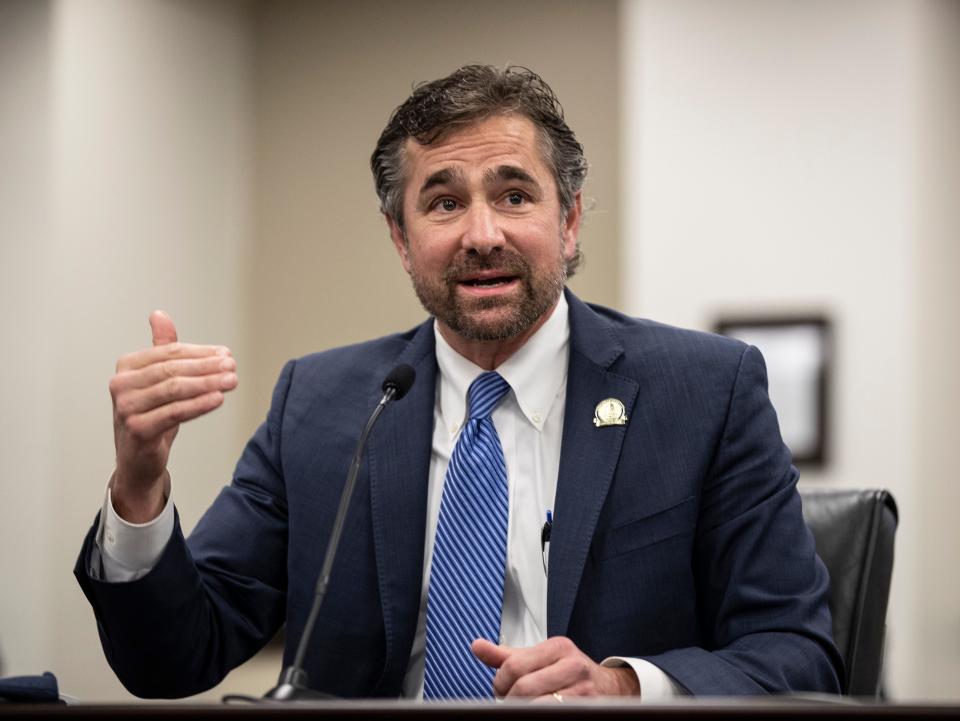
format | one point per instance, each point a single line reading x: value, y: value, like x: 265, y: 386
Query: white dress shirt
x: 529, y: 421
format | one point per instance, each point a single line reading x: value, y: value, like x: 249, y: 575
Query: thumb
x: 489, y: 653
x: 162, y: 327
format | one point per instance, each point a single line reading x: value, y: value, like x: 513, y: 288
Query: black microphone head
x: 400, y: 379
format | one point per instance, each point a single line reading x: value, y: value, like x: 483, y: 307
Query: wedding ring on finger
x: 558, y: 696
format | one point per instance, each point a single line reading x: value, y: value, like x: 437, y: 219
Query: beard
x: 539, y: 291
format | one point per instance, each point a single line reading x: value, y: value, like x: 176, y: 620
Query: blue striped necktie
x: 465, y: 595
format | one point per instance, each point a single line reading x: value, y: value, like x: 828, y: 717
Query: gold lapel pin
x: 610, y: 412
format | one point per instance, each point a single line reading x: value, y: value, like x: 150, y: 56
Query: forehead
x: 507, y: 140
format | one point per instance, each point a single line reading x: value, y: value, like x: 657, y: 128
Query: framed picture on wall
x: 798, y: 351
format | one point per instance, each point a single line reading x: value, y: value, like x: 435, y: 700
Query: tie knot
x: 484, y: 394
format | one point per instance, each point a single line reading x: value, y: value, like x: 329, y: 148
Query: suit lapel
x: 589, y: 456
x: 399, y: 462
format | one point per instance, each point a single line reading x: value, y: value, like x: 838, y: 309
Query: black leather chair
x: 854, y: 531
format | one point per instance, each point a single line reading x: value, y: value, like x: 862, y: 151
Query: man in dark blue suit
x: 678, y: 558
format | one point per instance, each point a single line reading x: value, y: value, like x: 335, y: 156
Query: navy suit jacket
x: 677, y: 537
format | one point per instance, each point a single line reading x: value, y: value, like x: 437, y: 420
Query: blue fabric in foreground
x: 30, y: 689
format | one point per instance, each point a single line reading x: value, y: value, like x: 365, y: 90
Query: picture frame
x: 798, y: 350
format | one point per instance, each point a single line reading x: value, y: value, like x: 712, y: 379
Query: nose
x: 482, y: 233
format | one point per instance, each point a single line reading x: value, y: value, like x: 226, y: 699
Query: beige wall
x: 25, y: 369
x: 803, y: 157
x: 936, y: 407
x: 130, y: 175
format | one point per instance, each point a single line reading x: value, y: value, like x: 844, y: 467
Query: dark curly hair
x: 467, y: 95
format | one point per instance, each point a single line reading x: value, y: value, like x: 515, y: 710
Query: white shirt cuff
x: 130, y: 550
x: 655, y: 684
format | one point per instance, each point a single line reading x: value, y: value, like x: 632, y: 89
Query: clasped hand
x: 552, y: 670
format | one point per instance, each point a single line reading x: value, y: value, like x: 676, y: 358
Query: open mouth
x: 488, y: 282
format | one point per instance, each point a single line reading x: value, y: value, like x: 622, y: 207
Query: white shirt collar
x: 536, y: 372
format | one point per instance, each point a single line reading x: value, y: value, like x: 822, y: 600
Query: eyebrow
x: 507, y: 173
x: 446, y: 176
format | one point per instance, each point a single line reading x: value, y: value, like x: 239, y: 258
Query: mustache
x: 506, y: 262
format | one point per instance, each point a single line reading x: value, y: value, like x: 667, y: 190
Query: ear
x: 571, y: 226
x: 399, y: 242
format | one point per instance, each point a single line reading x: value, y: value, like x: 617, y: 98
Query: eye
x: 446, y: 205
x: 516, y: 198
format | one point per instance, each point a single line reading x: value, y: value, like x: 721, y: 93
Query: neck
x: 489, y: 354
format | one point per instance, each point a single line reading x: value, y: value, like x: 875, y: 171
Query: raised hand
x: 155, y: 390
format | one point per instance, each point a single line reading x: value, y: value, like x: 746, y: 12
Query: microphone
x: 292, y: 685
x: 399, y: 381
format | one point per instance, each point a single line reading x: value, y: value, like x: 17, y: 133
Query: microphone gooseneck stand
x: 292, y: 685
